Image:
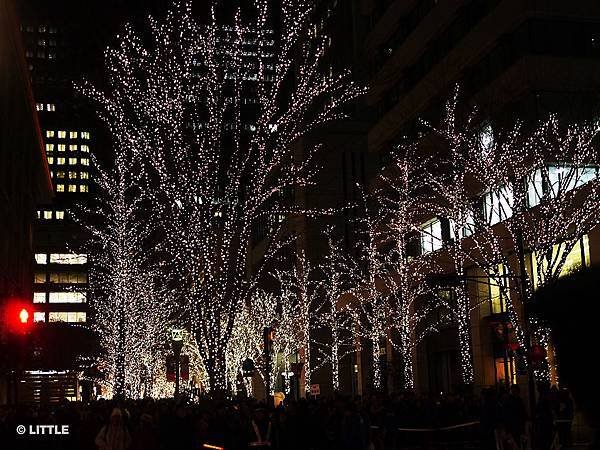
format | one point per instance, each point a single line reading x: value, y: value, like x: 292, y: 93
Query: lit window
x: 50, y: 107
x: 73, y: 147
x: 67, y: 297
x: 39, y: 214
x: 39, y: 316
x: 42, y: 28
x: 431, y: 236
x: 70, y: 317
x: 72, y: 161
x: 60, y: 161
x: 49, y: 134
x: 39, y: 297
x: 497, y: 205
x: 84, y: 175
x: 51, y: 55
x: 85, y: 161
x: 60, y: 215
x: 62, y: 147
x: 49, y: 147
x: 50, y: 160
x: 564, y: 178
x: 39, y: 277
x: 60, y: 188
x: 60, y: 174
x: 501, y: 369
x: 41, y: 258
x: 578, y: 257
x: 85, y: 135
x: 72, y: 175
x: 73, y: 134
x: 83, y: 188
x: 468, y: 227
x: 39, y: 106
x: 47, y: 215
x: 42, y: 42
x: 78, y: 277
x: 62, y: 134
x: 72, y: 188
x: 85, y: 148
x: 499, y: 290
x: 68, y: 258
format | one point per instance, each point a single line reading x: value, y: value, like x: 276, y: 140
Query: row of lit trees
x: 197, y: 170
x: 204, y: 118
x: 515, y: 202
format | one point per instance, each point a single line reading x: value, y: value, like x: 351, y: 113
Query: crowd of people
x: 404, y: 420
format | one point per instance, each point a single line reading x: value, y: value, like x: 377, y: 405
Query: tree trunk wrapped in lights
x: 212, y: 130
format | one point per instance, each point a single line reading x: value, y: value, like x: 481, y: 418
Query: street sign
x: 315, y: 389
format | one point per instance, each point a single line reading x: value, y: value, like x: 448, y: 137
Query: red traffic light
x: 17, y: 316
x: 24, y: 315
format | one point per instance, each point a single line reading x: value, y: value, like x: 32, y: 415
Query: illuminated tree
x: 131, y: 312
x: 397, y: 280
x: 337, y: 282
x: 300, y: 289
x: 211, y: 114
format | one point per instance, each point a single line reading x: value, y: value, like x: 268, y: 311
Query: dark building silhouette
x: 24, y: 182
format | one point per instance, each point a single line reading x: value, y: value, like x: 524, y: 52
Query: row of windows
x: 41, y: 54
x: 63, y: 147
x: 553, y: 180
x: 63, y: 134
x: 497, y: 206
x: 44, y: 42
x: 59, y: 297
x: 49, y: 215
x: 40, y: 29
x: 578, y: 257
x: 72, y: 175
x: 72, y: 188
x: 61, y: 277
x: 61, y: 258
x: 61, y: 160
x: 50, y: 107
x: 70, y: 316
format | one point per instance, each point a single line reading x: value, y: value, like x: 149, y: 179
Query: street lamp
x: 177, y: 345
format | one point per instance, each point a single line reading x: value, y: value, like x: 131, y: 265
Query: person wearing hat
x: 114, y: 435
